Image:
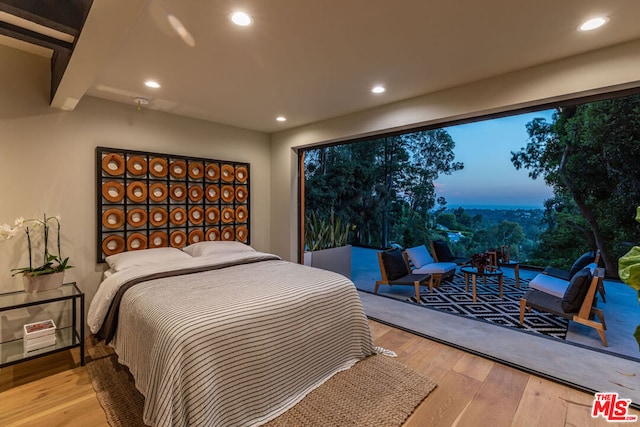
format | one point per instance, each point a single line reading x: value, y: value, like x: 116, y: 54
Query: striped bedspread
x: 240, y: 345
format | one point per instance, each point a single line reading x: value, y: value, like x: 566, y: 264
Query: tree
x: 431, y: 154
x: 384, y: 188
x: 589, y: 154
x: 504, y: 233
x: 448, y: 220
x: 560, y: 245
x: 463, y: 218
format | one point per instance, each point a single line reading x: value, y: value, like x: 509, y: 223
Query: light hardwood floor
x: 472, y: 391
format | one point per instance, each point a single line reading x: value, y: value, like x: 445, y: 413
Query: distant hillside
x: 484, y: 228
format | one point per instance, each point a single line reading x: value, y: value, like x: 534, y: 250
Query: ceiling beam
x: 46, y: 14
x: 106, y: 25
x: 67, y: 16
x: 34, y: 37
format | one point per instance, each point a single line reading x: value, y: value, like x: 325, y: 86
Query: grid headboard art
x: 150, y: 200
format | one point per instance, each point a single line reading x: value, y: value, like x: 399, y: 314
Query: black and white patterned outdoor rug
x: 451, y: 297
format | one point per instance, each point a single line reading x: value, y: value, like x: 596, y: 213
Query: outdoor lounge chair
x: 441, y: 253
x: 584, y: 260
x: 555, y: 281
x: 420, y: 261
x: 576, y: 304
x: 394, y: 271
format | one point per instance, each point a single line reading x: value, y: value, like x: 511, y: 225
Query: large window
x: 550, y: 184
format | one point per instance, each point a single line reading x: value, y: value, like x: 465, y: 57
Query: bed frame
x: 148, y: 200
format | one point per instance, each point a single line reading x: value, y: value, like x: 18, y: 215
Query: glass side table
x: 12, y: 352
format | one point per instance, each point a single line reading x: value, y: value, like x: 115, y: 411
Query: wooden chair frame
x: 585, y: 314
x: 409, y: 280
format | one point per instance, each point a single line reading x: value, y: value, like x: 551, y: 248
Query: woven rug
x: 452, y: 298
x: 377, y: 391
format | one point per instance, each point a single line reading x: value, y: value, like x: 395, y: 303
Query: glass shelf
x: 12, y: 352
x: 19, y: 299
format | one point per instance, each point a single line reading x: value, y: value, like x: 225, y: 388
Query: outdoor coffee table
x: 474, y: 273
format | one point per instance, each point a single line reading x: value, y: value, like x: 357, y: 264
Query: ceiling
x: 314, y: 60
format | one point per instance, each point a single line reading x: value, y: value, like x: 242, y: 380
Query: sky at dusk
x: 489, y: 179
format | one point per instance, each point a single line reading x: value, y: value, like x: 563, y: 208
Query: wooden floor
x: 472, y: 391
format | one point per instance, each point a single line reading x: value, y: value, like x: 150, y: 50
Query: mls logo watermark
x: 612, y: 408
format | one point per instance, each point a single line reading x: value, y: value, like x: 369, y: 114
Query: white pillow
x: 216, y: 247
x: 420, y: 256
x: 124, y: 260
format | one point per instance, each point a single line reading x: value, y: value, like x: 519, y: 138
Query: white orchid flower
x: 37, y: 235
x: 6, y: 232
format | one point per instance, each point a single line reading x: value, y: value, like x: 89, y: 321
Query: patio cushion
x: 420, y: 256
x: 554, y: 285
x: 584, y: 260
x: 436, y: 268
x: 576, y: 291
x: 442, y: 251
x: 549, y: 284
x: 545, y: 302
x: 394, y: 264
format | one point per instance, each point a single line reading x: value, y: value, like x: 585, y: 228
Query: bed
x: 222, y: 335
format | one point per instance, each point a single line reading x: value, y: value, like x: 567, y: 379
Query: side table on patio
x: 474, y: 273
x: 516, y: 270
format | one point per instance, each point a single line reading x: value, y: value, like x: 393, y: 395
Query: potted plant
x: 326, y: 244
x: 480, y: 261
x: 39, y: 276
x: 629, y: 272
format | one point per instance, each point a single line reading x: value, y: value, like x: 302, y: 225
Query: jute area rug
x: 378, y: 391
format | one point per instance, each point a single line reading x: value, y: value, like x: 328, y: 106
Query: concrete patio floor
x: 621, y: 311
x: 573, y: 365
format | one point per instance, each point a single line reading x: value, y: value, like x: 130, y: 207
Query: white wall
x: 47, y: 161
x: 596, y: 72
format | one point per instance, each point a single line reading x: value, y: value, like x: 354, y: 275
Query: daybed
x: 223, y: 335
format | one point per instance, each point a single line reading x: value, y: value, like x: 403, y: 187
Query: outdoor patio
x: 621, y: 311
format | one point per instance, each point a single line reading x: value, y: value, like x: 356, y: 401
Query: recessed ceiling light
x: 378, y: 89
x: 152, y: 83
x: 241, y: 18
x: 281, y: 119
x: 592, y: 24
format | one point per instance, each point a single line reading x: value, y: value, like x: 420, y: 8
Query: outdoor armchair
x: 441, y: 253
x: 555, y: 281
x: 394, y: 271
x: 577, y: 303
x: 421, y: 262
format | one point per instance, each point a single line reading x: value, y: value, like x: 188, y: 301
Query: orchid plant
x: 50, y: 263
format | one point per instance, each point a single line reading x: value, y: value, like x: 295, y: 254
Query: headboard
x: 149, y: 200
